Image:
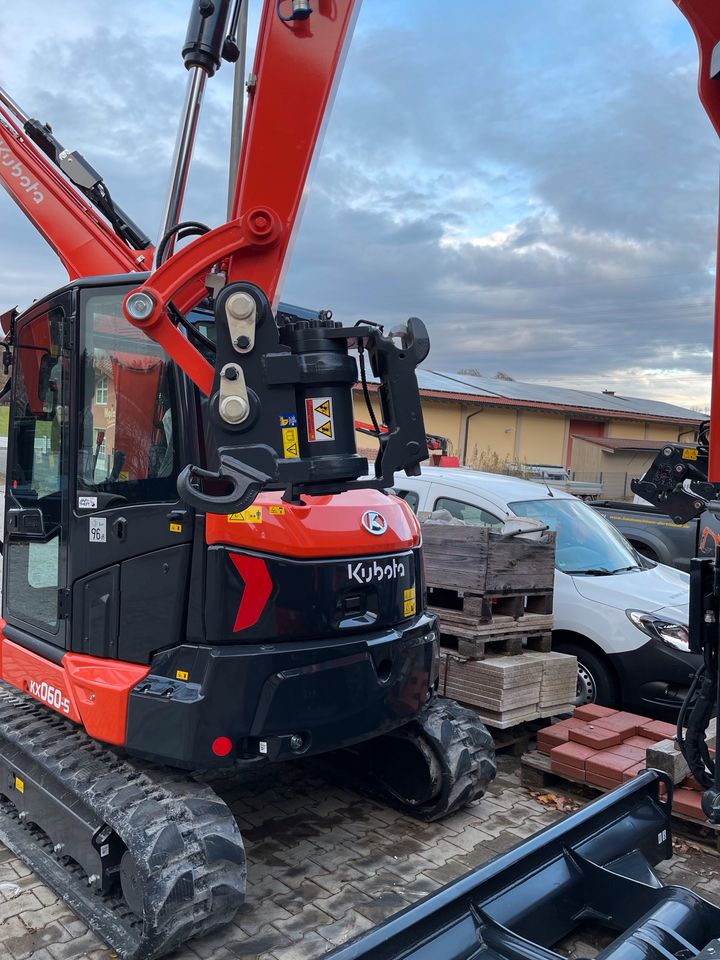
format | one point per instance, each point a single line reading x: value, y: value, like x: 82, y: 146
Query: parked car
x: 654, y: 535
x: 623, y: 616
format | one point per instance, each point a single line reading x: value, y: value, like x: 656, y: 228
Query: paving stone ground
x: 323, y: 865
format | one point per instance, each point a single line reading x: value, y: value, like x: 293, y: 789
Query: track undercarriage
x: 148, y: 856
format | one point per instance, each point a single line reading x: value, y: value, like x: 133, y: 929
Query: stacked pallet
x: 492, y: 593
x: 604, y: 748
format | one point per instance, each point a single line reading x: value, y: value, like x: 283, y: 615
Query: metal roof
x: 539, y: 394
x: 479, y: 390
x: 618, y: 445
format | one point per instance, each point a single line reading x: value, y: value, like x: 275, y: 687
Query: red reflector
x: 222, y: 746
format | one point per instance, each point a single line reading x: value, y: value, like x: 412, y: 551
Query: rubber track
x: 460, y: 743
x: 185, y: 842
x: 466, y: 751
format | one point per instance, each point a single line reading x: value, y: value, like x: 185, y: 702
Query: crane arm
x: 296, y: 70
x: 83, y: 240
x: 704, y: 18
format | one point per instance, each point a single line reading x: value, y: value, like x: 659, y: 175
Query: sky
x: 536, y: 179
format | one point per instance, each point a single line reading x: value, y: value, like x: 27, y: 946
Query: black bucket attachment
x: 592, y: 867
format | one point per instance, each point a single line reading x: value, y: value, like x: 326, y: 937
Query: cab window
x: 467, y: 512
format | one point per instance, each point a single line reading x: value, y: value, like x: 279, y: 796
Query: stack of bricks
x: 509, y: 690
x: 559, y: 682
x: 605, y: 747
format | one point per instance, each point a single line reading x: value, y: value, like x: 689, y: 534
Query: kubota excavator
x: 197, y: 571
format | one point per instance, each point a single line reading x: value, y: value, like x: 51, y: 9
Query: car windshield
x: 586, y: 542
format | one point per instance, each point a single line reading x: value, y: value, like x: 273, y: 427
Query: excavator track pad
x: 146, y: 856
x: 432, y: 766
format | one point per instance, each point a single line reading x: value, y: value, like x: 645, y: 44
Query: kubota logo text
x: 366, y: 572
x: 8, y: 159
x: 49, y: 694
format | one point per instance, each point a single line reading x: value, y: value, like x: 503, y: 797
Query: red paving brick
x: 571, y: 754
x: 609, y: 783
x: 643, y: 742
x: 632, y: 772
x: 564, y: 770
x: 571, y: 723
x: 658, y: 730
x: 607, y: 764
x: 689, y: 803
x: 626, y: 723
x: 597, y: 737
x: 690, y: 783
x: 551, y: 737
x: 592, y: 711
x: 623, y: 750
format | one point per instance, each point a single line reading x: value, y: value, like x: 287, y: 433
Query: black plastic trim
x: 49, y: 651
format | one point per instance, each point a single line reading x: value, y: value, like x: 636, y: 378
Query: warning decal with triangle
x: 319, y: 414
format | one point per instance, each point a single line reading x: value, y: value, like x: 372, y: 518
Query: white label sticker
x: 98, y: 530
x: 104, y: 849
x: 319, y: 415
x: 87, y: 503
x: 263, y: 746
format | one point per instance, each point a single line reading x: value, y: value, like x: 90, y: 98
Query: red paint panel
x: 258, y: 587
x: 87, y: 690
x: 328, y: 526
x: 101, y: 689
x: 45, y: 681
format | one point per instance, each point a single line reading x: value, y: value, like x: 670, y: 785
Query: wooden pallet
x: 476, y: 608
x: 536, y: 774
x: 500, y: 638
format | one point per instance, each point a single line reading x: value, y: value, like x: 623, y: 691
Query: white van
x: 623, y: 616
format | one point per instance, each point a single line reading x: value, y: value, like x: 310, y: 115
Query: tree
x: 470, y: 372
x: 500, y: 375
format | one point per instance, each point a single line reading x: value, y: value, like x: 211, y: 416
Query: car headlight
x: 660, y: 628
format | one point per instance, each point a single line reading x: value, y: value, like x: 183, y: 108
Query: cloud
x: 538, y: 182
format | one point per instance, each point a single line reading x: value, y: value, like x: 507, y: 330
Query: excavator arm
x: 84, y: 241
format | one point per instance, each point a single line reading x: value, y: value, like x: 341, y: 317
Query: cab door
x: 35, y: 549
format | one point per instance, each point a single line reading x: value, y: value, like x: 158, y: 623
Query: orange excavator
x: 197, y: 571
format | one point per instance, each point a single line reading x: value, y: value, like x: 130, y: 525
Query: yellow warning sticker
x: 277, y: 510
x: 319, y: 419
x: 175, y: 528
x: 251, y: 515
x: 689, y: 454
x: 182, y: 675
x: 409, y: 594
x: 410, y: 607
x: 291, y: 443
x: 19, y: 785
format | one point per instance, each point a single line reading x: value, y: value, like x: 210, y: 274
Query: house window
x: 101, y: 391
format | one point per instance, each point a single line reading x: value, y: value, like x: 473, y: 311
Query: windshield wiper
x: 634, y: 566
x: 593, y: 572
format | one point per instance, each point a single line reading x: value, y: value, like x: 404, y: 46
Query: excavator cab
x: 93, y: 456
